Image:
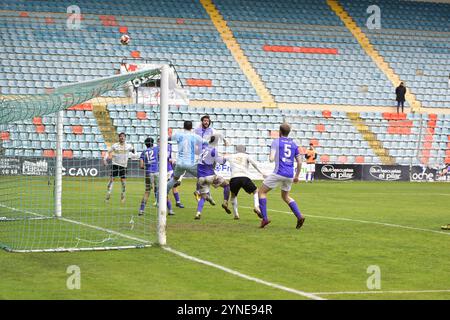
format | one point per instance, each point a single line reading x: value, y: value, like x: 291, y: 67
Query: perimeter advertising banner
x: 385, y: 173
x: 423, y: 174
x: 338, y: 172
x: 10, y: 166
x: 92, y: 168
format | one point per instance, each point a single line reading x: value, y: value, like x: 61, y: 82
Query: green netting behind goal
x: 28, y: 170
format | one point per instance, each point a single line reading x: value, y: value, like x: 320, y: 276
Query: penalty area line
x: 244, y: 276
x: 363, y: 221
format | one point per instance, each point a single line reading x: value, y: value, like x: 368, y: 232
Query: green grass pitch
x: 349, y: 227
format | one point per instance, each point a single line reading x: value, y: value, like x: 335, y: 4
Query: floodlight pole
x: 58, y: 166
x: 163, y: 134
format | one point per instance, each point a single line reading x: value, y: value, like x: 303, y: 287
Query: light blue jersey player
x: 188, y: 145
x: 284, y: 151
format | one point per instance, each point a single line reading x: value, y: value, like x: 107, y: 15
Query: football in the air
x: 125, y: 39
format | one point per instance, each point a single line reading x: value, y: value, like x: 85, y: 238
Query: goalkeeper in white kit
x: 120, y: 152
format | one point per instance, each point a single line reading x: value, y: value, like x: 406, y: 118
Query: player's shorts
x: 242, y: 182
x: 169, y: 174
x: 311, y: 167
x: 180, y: 170
x: 150, y: 180
x: 206, y: 182
x: 118, y: 171
x: 274, y: 180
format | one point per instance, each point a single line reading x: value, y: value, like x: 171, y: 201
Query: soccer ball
x: 125, y: 39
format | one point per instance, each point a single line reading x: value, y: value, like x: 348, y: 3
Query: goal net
x: 59, y: 189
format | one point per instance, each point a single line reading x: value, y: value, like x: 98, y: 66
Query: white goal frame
x: 161, y: 237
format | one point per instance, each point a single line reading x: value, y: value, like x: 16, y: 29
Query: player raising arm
x: 120, y: 152
x: 285, y: 153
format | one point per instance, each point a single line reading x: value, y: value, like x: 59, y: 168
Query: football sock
x: 226, y: 193
x: 110, y: 186
x: 234, y: 202
x: 177, y: 197
x: 295, y: 210
x: 255, y: 199
x: 169, y: 205
x: 143, y: 203
x: 200, y: 204
x: 263, y: 207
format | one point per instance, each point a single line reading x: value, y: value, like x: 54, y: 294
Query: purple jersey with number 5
x: 286, y: 151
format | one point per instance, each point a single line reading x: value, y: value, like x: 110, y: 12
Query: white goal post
x: 32, y: 224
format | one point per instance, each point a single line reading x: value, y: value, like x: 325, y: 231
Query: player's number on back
x: 287, y: 151
x: 150, y: 156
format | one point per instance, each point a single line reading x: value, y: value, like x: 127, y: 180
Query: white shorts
x: 273, y: 180
x: 311, y: 167
x: 206, y: 182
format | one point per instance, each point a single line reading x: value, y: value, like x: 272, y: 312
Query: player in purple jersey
x: 149, y: 161
x: 205, y: 131
x: 207, y: 177
x: 284, y: 151
x: 170, y: 166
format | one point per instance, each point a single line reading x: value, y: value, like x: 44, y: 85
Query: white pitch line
x: 364, y: 221
x: 380, y: 193
x: 381, y: 292
x: 244, y: 276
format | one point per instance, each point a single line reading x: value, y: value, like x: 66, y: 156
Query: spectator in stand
x: 400, y: 92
